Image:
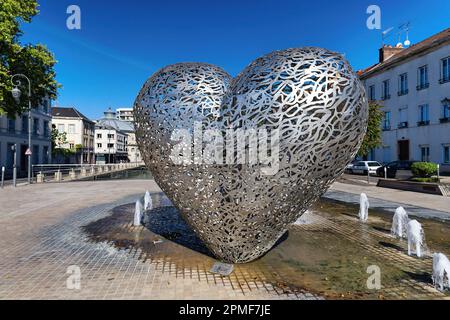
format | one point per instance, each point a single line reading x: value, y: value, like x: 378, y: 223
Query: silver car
x: 364, y: 167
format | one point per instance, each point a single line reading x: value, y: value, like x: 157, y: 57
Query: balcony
x: 403, y: 92
x: 444, y: 120
x: 423, y: 123
x: 422, y: 86
x: 403, y: 124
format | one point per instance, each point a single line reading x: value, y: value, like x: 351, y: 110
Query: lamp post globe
x: 16, y: 93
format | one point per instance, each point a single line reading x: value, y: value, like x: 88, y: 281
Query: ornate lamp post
x: 16, y: 93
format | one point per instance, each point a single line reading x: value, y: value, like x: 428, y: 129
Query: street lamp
x: 16, y: 93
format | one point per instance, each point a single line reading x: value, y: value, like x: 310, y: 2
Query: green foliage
x: 372, y: 139
x: 59, y: 139
x: 424, y: 169
x: 434, y: 179
x: 78, y: 147
x: 34, y: 61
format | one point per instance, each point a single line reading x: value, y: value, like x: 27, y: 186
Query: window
x: 24, y: 124
x: 446, y: 154
x: 445, y: 70
x: 71, y: 128
x: 423, y: 115
x: 60, y: 128
x: 35, y: 156
x: 71, y: 146
x: 387, y: 120
x: 402, y: 116
x: 403, y: 84
x: 422, y: 78
x: 46, y: 131
x: 45, y: 155
x: 110, y: 136
x: 11, y: 125
x: 99, y: 145
x: 110, y: 145
x: 372, y: 93
x: 99, y: 135
x: 425, y: 153
x: 445, y: 111
x: 36, y: 126
x: 385, y: 87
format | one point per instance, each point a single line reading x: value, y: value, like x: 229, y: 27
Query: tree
x: 372, y: 139
x: 59, y: 139
x: 34, y: 61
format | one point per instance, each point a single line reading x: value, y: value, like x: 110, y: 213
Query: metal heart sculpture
x: 310, y: 96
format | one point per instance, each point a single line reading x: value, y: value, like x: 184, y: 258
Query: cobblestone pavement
x: 47, y: 230
x: 42, y: 238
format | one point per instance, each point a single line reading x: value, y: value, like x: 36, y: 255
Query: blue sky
x: 120, y: 45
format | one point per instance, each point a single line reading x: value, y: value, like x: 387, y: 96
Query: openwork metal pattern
x: 309, y: 95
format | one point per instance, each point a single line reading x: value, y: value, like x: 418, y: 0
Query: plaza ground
x: 46, y: 229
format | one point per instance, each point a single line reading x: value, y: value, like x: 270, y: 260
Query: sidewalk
x: 417, y: 204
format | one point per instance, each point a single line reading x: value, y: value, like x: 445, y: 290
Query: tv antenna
x: 404, y: 29
x: 385, y: 34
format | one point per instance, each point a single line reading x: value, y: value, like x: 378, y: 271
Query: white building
x: 125, y: 114
x: 122, y: 119
x: 413, y: 86
x: 79, y: 132
x: 15, y: 132
x: 111, y: 139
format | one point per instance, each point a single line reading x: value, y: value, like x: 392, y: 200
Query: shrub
x: 424, y: 169
x: 434, y: 179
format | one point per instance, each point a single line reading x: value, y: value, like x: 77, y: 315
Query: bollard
x: 368, y: 175
x: 58, y: 176
x: 385, y: 172
x: 40, y: 177
x: 92, y: 170
x: 3, y: 177
x: 72, y: 174
x: 438, y: 172
x: 14, y: 148
x: 83, y: 172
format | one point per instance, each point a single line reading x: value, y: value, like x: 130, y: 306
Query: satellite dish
x: 407, y: 42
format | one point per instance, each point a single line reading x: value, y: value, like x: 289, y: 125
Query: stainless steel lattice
x: 310, y: 95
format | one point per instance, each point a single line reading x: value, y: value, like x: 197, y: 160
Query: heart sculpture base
x: 304, y: 107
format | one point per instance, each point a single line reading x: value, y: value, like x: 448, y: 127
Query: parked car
x: 364, y: 167
x: 349, y: 167
x: 393, y: 167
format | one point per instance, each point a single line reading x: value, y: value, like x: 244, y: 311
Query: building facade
x: 14, y: 132
x: 413, y: 87
x: 122, y: 120
x: 125, y: 114
x: 79, y: 133
x: 111, y: 139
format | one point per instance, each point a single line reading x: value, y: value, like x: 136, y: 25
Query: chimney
x: 387, y: 52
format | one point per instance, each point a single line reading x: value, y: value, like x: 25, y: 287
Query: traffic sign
x: 28, y: 152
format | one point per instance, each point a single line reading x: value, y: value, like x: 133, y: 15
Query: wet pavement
x: 88, y: 225
x: 326, y: 254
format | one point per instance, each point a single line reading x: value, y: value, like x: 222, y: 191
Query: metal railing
x: 65, y: 172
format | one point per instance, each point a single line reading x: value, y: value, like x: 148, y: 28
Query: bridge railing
x: 63, y: 172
